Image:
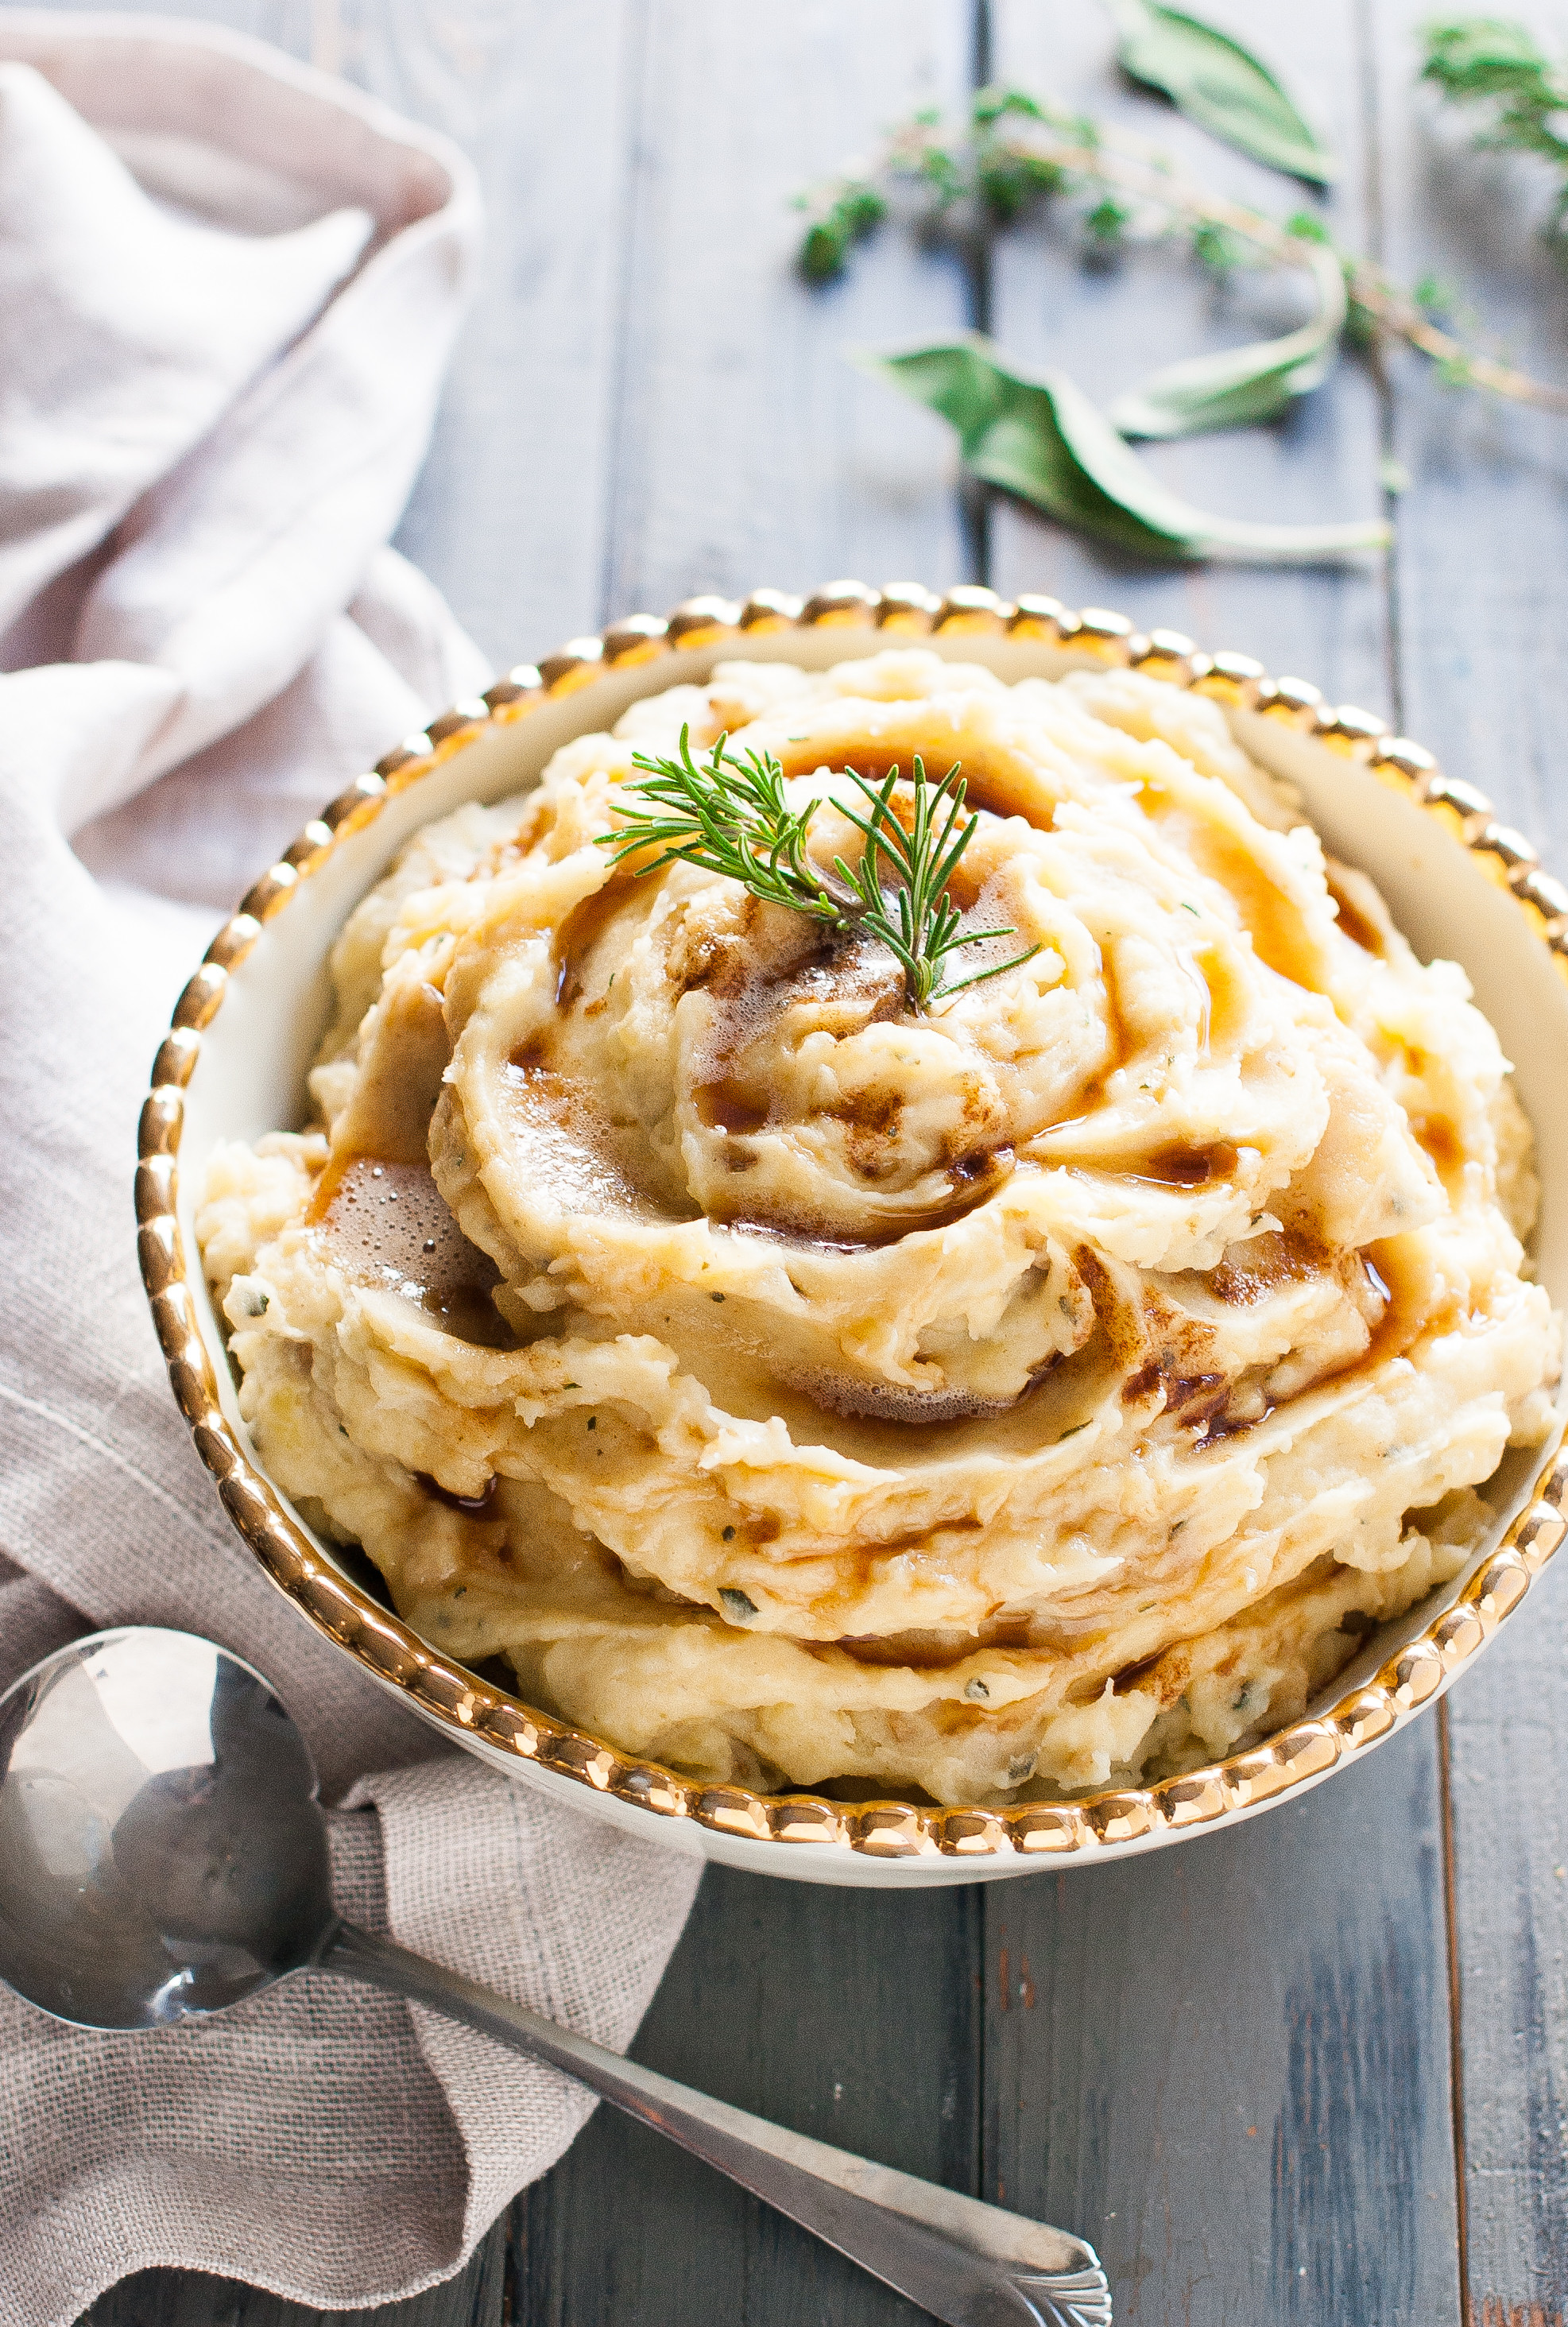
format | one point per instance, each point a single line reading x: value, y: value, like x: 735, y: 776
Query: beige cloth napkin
x: 228, y: 288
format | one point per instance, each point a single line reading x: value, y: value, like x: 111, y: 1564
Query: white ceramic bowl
x: 246, y: 1027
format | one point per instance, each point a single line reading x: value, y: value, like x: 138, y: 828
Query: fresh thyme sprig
x: 728, y: 814
x: 1017, y: 149
x: 1489, y: 62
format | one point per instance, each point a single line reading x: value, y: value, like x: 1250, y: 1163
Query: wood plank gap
x: 974, y: 497
x: 978, y: 1956
x: 1372, y: 147
x: 1455, y: 2017
x: 516, y: 2219
x: 635, y: 147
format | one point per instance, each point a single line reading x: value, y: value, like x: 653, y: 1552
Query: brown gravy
x: 1354, y: 921
x: 471, y: 1507
x: 385, y: 1224
x: 1274, y: 1258
x: 1441, y: 1142
x: 728, y: 1103
x: 576, y: 1150
x: 973, y: 1179
x: 577, y: 936
x: 1184, y: 1167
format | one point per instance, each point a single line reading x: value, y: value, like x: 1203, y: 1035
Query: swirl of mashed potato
x: 1047, y: 1390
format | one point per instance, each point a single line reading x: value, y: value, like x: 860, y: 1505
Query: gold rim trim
x: 457, y: 1700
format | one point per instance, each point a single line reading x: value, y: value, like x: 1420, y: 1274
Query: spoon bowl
x: 161, y: 1852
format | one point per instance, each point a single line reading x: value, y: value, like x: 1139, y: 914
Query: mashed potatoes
x: 1044, y: 1392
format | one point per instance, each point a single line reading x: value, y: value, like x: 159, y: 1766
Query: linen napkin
x: 228, y: 289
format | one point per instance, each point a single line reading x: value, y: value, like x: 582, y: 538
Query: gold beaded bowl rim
x: 801, y: 1832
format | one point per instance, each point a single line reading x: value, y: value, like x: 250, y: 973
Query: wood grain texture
x: 746, y: 448
x: 478, y: 2296
x: 1508, y: 1773
x: 1481, y: 570
x: 510, y: 513
x: 1230, y: 2119
x: 1481, y: 580
x: 1228, y: 2066
x: 848, y: 2016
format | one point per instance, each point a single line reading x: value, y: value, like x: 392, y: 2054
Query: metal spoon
x: 163, y: 1855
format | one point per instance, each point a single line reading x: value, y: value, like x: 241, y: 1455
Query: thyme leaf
x: 728, y: 814
x: 843, y: 212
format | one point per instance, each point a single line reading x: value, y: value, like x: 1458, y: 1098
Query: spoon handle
x: 968, y: 2262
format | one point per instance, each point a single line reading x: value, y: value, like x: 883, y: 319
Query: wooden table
x: 1315, y: 2070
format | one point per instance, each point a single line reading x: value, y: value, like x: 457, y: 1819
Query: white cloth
x: 216, y: 379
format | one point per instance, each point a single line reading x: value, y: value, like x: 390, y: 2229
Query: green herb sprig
x: 1017, y: 149
x: 728, y: 814
x: 1495, y: 65
x: 921, y: 861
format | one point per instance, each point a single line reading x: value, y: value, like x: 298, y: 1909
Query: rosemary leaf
x: 923, y: 927
x: 729, y: 815
x: 1219, y: 85
x: 1040, y: 436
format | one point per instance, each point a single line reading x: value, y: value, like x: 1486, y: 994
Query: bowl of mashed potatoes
x: 872, y: 1436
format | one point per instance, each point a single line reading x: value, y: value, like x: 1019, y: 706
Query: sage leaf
x: 1219, y: 85
x: 1039, y: 436
x: 1243, y: 385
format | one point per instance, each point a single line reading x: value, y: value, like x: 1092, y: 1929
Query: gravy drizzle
x: 385, y: 1224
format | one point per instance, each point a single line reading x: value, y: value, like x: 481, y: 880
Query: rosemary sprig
x: 920, y: 860
x: 729, y: 815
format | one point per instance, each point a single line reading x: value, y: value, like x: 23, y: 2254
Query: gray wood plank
x: 1508, y: 1772
x: 1107, y: 328
x: 1228, y: 2065
x: 511, y: 514
x: 747, y: 449
x: 1481, y: 580
x: 1482, y: 599
x: 850, y: 2015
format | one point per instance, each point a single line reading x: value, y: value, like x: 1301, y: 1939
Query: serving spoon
x: 163, y: 1855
